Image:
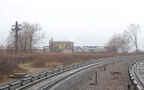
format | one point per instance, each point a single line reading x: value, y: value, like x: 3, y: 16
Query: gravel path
x: 112, y: 78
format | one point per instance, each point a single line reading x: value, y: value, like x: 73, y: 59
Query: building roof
x: 61, y: 41
x: 93, y: 46
x: 78, y: 47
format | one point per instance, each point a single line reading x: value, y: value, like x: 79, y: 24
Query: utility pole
x: 16, y: 38
x: 15, y: 28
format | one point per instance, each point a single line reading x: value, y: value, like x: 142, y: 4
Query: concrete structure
x: 61, y: 46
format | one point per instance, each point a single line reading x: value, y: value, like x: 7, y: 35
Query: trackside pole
x: 95, y: 77
x: 113, y: 63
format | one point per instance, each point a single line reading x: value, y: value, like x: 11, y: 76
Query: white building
x: 92, y: 49
x: 78, y: 49
x: 42, y: 49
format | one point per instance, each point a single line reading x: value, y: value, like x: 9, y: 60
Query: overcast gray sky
x: 86, y: 22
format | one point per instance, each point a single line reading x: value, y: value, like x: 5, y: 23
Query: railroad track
x: 49, y: 86
x: 134, y: 74
x: 50, y: 78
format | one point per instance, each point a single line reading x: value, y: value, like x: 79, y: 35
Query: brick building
x: 61, y: 46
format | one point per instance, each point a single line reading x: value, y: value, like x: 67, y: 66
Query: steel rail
x: 50, y: 85
x: 28, y: 82
x: 134, y: 75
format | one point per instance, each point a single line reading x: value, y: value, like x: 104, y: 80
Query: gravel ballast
x: 109, y: 77
x: 113, y: 76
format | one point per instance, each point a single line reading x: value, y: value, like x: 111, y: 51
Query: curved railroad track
x: 48, y: 79
x: 136, y: 71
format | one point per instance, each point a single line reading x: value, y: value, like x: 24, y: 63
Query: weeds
x: 10, y: 63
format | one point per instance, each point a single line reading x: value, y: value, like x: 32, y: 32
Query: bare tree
x: 10, y: 44
x: 121, y: 42
x: 113, y: 43
x: 111, y: 49
x: 29, y: 36
x: 133, y: 31
x: 24, y: 40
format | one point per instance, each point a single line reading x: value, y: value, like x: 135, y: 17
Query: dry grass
x: 32, y: 70
x: 38, y: 62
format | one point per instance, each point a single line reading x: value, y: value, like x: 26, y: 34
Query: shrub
x: 9, y: 63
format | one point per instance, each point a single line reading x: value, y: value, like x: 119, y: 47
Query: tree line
x: 125, y: 41
x: 31, y: 34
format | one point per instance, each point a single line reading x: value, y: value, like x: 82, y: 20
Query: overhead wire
x: 5, y: 40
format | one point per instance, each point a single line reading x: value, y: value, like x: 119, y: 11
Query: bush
x: 10, y: 63
x: 7, y: 66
